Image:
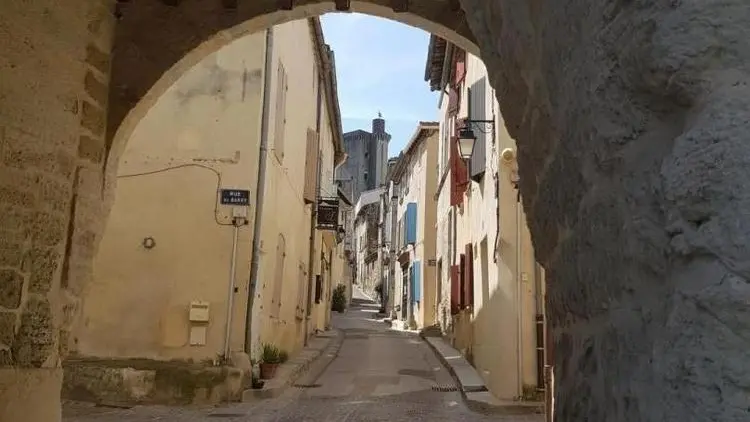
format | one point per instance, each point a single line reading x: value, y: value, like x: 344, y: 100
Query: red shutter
x: 469, y: 277
x: 459, y: 64
x: 462, y: 279
x: 456, y: 194
x: 453, y: 101
x: 455, y: 290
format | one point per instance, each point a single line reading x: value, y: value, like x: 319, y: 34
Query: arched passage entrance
x: 631, y: 120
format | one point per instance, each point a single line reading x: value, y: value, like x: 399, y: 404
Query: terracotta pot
x: 268, y: 370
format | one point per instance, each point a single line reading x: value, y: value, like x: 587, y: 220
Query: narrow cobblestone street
x: 379, y: 375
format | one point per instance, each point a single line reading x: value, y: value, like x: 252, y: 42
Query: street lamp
x: 467, y: 138
x: 466, y: 141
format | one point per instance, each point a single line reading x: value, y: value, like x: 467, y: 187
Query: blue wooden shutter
x: 416, y: 283
x: 411, y: 223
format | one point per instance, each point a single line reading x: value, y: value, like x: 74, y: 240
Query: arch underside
x: 156, y: 41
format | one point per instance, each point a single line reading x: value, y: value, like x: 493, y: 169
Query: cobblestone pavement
x: 378, y: 375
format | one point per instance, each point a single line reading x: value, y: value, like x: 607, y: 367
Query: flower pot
x: 268, y: 370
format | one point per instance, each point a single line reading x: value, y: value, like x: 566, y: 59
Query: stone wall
x: 54, y: 71
x: 631, y: 120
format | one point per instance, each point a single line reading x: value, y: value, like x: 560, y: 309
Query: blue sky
x: 380, y: 67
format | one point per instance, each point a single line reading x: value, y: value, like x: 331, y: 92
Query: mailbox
x: 199, y: 311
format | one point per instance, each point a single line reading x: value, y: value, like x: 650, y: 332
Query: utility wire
x: 211, y: 169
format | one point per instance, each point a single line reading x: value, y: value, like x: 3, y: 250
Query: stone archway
x: 631, y: 120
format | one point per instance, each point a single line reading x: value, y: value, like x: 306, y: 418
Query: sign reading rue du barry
x: 235, y: 197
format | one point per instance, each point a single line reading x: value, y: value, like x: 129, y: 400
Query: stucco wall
x: 285, y: 211
x: 418, y: 185
x: 489, y: 335
x: 137, y: 304
x: 210, y: 117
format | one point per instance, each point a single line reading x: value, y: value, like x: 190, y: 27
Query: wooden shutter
x: 311, y: 167
x: 455, y: 289
x: 459, y: 177
x: 453, y: 101
x: 468, y: 285
x: 280, y: 115
x: 459, y: 65
x: 318, y: 288
x: 477, y: 111
x: 416, y: 279
x: 461, y: 281
x: 279, y: 275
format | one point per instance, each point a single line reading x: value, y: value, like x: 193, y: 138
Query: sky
x: 380, y: 68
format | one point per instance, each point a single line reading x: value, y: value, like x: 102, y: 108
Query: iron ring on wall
x: 149, y: 242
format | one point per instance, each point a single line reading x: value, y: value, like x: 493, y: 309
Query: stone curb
x: 289, y: 372
x: 472, y: 387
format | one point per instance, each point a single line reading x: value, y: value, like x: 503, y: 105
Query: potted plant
x: 271, y: 358
x: 338, y: 302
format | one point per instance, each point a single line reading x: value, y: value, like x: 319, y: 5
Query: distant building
x: 367, y: 160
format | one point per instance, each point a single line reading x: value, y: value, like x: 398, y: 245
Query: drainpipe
x: 519, y: 298
x: 260, y: 191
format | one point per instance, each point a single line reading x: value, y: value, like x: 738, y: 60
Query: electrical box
x: 199, y: 311
x: 198, y: 335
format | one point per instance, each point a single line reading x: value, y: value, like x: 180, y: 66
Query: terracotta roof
x: 433, y: 72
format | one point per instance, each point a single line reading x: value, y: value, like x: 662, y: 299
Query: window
x: 311, y: 167
x: 301, y: 291
x: 365, y: 175
x: 282, y: 86
x: 477, y: 111
x: 279, y: 276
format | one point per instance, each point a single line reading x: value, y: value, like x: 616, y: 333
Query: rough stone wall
x: 632, y: 121
x: 54, y: 71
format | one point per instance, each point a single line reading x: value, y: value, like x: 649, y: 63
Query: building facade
x: 174, y: 277
x: 415, y: 283
x: 366, y: 241
x: 491, y: 295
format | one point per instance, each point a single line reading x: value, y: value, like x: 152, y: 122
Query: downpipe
x: 260, y: 192
x: 519, y: 298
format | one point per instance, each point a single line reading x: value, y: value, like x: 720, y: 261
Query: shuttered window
x: 410, y: 218
x: 282, y: 86
x: 477, y: 99
x: 459, y: 63
x: 455, y: 289
x: 453, y: 101
x: 278, y: 281
x: 301, y: 290
x: 311, y: 167
x: 416, y: 282
x: 468, y: 279
x: 459, y: 176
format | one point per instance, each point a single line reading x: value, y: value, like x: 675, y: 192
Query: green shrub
x: 338, y: 302
x: 272, y: 354
x: 379, y: 291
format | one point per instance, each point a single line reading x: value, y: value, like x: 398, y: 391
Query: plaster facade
x: 495, y: 325
x: 366, y: 241
x: 202, y: 136
x: 415, y: 281
x: 630, y: 124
